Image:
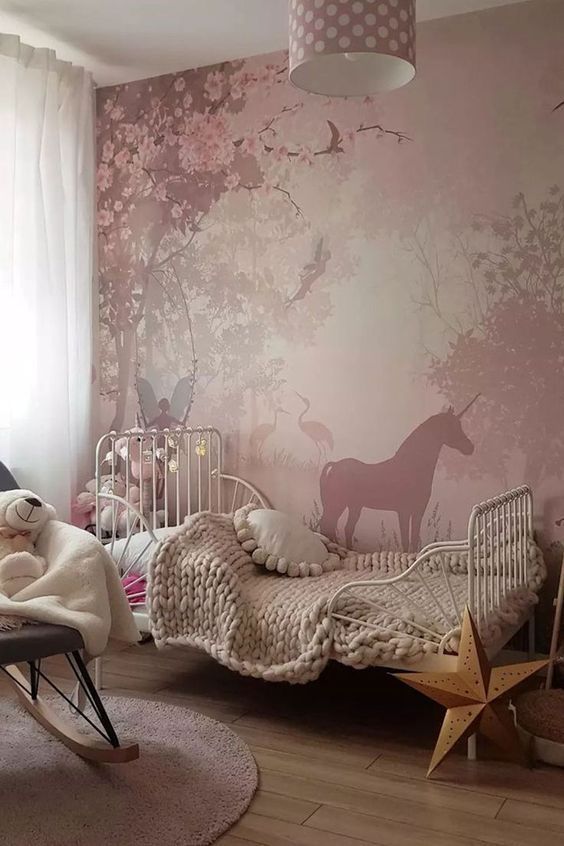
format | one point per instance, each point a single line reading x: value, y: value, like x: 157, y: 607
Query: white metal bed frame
x: 180, y: 472
x: 499, y: 532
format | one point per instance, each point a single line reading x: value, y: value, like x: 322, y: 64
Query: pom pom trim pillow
x: 282, y: 543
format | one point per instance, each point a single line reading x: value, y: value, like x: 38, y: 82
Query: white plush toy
x: 22, y: 516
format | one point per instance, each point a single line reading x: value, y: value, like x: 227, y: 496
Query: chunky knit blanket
x: 205, y: 591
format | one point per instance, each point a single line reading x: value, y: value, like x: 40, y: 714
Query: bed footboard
x: 426, y: 600
x: 415, y: 601
x: 500, y: 532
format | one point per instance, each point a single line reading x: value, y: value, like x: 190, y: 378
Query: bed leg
x: 472, y: 753
x: 531, y: 645
x: 99, y: 673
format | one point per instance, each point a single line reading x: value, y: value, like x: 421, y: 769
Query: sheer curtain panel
x: 46, y: 270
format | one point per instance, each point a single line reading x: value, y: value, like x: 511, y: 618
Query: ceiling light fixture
x: 348, y: 48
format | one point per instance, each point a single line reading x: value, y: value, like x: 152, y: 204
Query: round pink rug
x: 193, y: 780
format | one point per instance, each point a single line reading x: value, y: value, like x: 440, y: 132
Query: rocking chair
x: 30, y: 645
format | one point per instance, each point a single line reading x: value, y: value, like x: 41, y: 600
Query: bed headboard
x: 159, y: 476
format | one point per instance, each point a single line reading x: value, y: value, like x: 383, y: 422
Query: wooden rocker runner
x: 30, y: 645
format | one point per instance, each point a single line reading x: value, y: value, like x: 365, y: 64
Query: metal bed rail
x: 496, y: 550
x: 499, y: 532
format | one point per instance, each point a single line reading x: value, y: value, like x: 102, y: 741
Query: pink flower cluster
x: 206, y: 143
x: 242, y: 81
x: 104, y: 177
x: 214, y: 85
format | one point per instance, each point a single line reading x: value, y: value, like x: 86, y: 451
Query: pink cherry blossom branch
x: 287, y: 194
x: 299, y: 212
x: 336, y: 140
x: 281, y: 113
x: 401, y: 136
x: 195, y: 230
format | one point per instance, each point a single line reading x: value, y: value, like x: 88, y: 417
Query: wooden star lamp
x: 475, y: 695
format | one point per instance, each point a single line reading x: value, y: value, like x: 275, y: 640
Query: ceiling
x: 122, y: 40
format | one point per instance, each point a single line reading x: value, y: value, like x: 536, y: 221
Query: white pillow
x: 139, y: 550
x: 281, y: 542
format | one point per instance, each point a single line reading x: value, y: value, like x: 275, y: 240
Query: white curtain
x: 46, y: 270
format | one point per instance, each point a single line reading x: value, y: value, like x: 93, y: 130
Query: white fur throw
x: 205, y: 591
x: 280, y: 542
x: 81, y: 588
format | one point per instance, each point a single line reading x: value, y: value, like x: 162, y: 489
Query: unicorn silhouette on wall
x: 402, y: 483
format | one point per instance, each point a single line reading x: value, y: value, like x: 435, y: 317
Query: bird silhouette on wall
x: 317, y: 432
x: 164, y: 414
x: 335, y: 144
x: 263, y: 431
x: 310, y: 273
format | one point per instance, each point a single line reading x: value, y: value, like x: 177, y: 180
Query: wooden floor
x: 342, y: 760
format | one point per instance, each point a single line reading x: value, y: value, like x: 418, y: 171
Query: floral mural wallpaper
x: 365, y: 296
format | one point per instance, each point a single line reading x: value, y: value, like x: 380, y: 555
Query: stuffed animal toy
x: 84, y: 507
x: 142, y: 471
x: 118, y: 510
x: 128, y: 461
x: 22, y: 517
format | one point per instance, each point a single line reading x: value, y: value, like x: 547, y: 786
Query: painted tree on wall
x: 508, y: 344
x: 173, y: 152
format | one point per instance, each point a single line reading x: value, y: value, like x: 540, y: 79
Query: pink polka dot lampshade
x: 351, y: 48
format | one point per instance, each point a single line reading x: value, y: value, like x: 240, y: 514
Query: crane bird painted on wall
x: 317, y: 432
x: 164, y: 414
x: 402, y: 483
x: 263, y: 431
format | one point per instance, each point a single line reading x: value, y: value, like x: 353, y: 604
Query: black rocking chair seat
x: 33, y: 642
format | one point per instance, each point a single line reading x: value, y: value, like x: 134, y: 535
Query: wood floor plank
x: 307, y: 726
x: 320, y: 750
x: 281, y: 807
x: 530, y: 814
x: 361, y: 827
x: 438, y: 821
x: 405, y: 790
x: 217, y: 711
x: 231, y: 710
x: 277, y: 833
x: 147, y: 683
x: 544, y: 785
x: 425, y: 815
